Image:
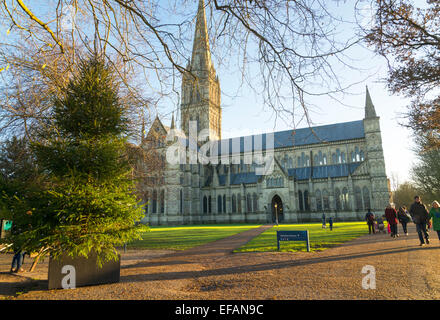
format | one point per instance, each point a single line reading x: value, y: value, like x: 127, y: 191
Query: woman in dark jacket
x: 391, y: 216
x: 404, y: 218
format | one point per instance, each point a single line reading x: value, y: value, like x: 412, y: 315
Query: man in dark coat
x: 370, y: 221
x: 420, y: 217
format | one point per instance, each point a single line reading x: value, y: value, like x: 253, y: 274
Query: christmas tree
x: 90, y: 205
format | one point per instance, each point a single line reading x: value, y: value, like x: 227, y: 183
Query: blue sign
x: 293, y: 236
x: 7, y: 225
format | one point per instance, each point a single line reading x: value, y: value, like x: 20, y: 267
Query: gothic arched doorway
x: 277, y: 209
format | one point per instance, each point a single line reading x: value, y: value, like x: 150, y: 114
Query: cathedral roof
x: 299, y: 137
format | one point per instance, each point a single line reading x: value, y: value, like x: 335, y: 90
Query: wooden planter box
x: 85, y: 271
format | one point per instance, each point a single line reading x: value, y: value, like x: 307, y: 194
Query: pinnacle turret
x: 172, y: 122
x: 370, y: 111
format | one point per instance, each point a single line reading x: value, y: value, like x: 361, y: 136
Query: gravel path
x: 403, y: 271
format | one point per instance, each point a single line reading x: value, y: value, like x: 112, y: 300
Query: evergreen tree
x: 90, y: 205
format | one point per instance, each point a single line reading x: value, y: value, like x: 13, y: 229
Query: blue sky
x: 244, y: 112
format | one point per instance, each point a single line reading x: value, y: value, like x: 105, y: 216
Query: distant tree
x: 21, y: 184
x: 408, y: 37
x: 17, y: 161
x: 91, y: 203
x: 404, y: 194
x: 426, y: 172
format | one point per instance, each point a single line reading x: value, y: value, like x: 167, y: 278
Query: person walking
x: 17, y: 259
x: 391, y: 216
x: 369, y: 217
x: 323, y: 221
x: 404, y: 217
x: 330, y: 223
x: 17, y: 246
x: 434, y: 214
x: 420, y: 217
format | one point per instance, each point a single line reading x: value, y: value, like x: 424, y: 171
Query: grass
x: 320, y: 239
x: 185, y: 237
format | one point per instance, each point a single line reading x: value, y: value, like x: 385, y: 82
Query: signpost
x: 293, y: 236
x: 5, y: 227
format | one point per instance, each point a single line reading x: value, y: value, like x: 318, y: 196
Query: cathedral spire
x: 370, y: 112
x: 201, y: 55
x: 172, y: 122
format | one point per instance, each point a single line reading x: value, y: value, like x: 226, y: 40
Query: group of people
x: 417, y: 213
x: 330, y: 222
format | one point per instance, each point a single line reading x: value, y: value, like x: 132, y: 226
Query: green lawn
x: 320, y: 239
x: 184, y: 237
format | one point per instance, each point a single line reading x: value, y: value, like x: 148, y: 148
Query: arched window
x: 362, y: 156
x: 325, y: 200
x: 154, y: 201
x: 209, y: 204
x: 358, y: 155
x: 162, y: 201
x: 324, y: 159
x: 366, y: 196
x: 318, y: 200
x: 219, y: 204
x: 300, y: 199
x: 358, y: 197
x: 315, y: 160
x: 224, y: 203
x: 249, y: 202
x: 307, y: 161
x: 334, y: 159
x: 306, y: 201
x: 343, y: 157
x: 345, y: 199
x: 290, y: 163
x: 234, y: 204
x: 338, y: 156
x: 353, y: 157
x: 338, y: 205
x: 205, y: 204
x: 299, y: 164
x: 255, y: 202
x: 239, y: 203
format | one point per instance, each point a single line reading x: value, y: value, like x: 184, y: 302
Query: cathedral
x: 286, y: 176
